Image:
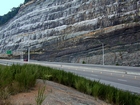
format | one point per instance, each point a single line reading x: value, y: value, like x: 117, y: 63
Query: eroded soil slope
x: 57, y: 94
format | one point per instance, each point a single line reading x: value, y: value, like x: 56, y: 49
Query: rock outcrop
x: 76, y: 31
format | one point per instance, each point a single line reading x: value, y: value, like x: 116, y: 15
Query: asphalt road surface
x: 122, y: 77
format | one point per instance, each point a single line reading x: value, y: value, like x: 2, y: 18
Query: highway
x: 122, y: 77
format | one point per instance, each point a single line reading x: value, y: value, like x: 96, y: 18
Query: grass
x: 20, y: 78
x: 41, y: 96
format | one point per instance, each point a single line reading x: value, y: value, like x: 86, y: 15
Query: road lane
x: 130, y: 82
x: 114, y: 78
x: 123, y: 84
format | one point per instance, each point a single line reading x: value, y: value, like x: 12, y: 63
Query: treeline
x: 27, y: 1
x: 5, y: 18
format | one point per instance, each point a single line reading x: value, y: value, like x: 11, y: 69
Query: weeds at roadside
x: 4, y: 94
x: 41, y: 96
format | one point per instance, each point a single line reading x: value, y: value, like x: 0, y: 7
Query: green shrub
x: 110, y: 94
x: 18, y: 77
x: 95, y: 90
x: 88, y: 88
x: 83, y: 62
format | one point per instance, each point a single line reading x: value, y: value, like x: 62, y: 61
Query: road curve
x: 126, y: 78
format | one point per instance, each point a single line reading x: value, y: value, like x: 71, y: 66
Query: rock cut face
x: 42, y: 24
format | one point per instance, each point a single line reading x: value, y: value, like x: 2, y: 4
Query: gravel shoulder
x: 56, y: 94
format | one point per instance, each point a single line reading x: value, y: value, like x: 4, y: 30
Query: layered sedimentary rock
x: 75, y: 30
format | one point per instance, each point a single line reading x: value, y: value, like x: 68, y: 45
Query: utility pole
x: 29, y: 49
x: 21, y: 55
x: 103, y: 58
x: 28, y: 53
x: 103, y: 52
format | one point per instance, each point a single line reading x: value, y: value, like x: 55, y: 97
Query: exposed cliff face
x: 73, y: 30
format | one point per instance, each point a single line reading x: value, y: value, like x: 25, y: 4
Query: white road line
x: 122, y: 80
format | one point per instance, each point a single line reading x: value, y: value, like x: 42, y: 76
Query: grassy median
x: 20, y: 78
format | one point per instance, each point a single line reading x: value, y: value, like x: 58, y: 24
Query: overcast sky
x: 7, y: 5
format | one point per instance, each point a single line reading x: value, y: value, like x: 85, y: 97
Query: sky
x: 7, y: 5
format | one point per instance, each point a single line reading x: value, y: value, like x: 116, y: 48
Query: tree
x: 5, y: 18
x: 27, y: 1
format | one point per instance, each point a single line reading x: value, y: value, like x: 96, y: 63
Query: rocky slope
x: 75, y: 30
